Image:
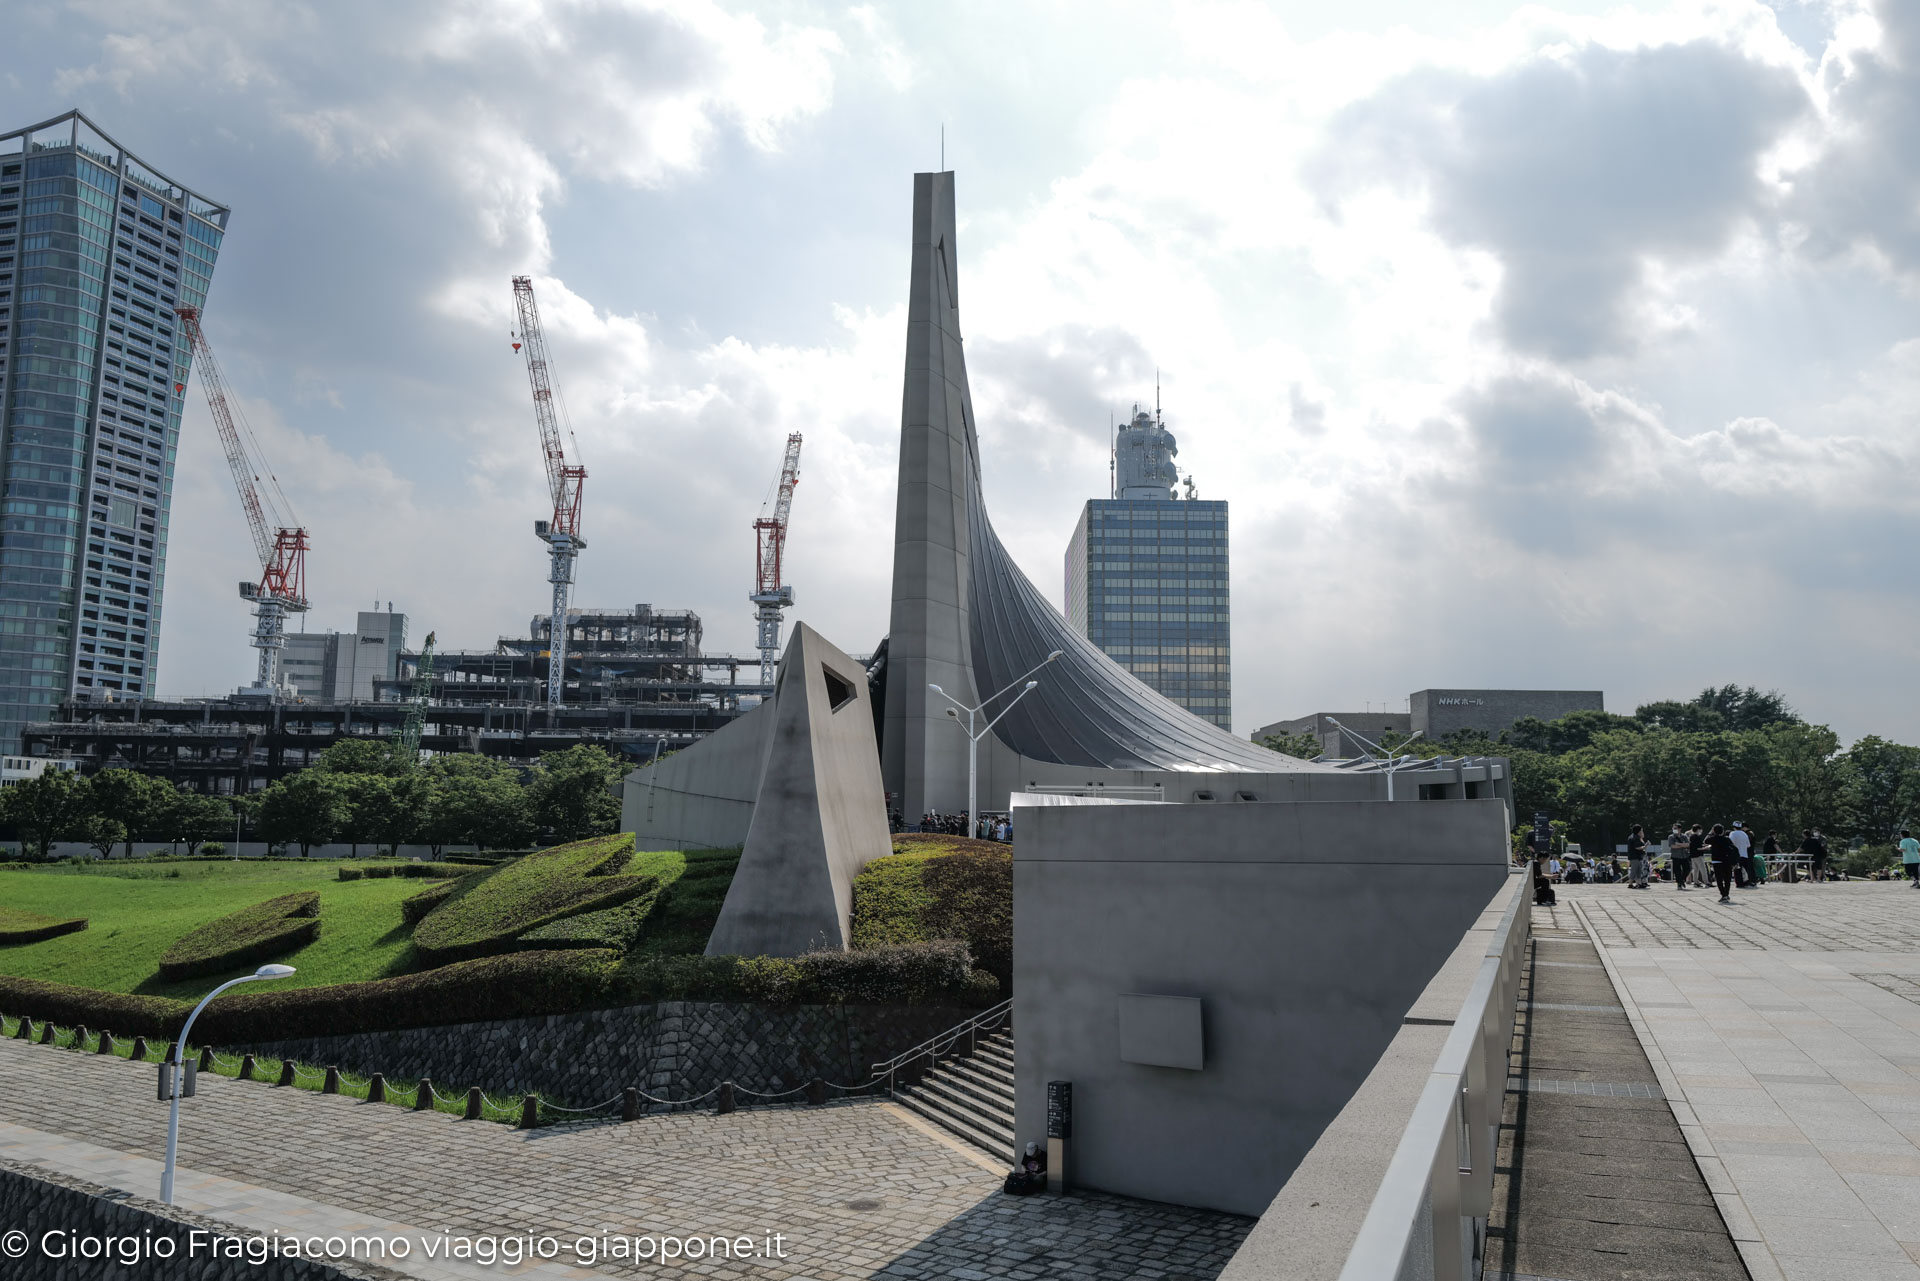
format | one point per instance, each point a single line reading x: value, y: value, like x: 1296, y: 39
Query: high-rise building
x: 341, y: 667
x: 96, y: 251
x: 1147, y: 575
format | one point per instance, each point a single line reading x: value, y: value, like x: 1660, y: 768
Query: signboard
x: 1059, y: 1109
x: 1542, y: 833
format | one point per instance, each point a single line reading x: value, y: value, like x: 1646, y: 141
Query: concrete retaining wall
x: 673, y: 1049
x: 54, y: 1209
x: 1303, y: 933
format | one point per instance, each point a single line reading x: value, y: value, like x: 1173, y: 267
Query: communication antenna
x: 1113, y: 458
x: 943, y: 148
x: 1156, y: 396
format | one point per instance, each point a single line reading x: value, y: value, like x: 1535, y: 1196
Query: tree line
x: 359, y: 792
x: 1729, y: 753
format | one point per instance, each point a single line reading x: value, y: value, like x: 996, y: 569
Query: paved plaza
x: 857, y: 1190
x: 1785, y: 1032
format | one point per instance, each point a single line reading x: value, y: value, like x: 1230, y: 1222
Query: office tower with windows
x: 96, y: 250
x: 1147, y: 575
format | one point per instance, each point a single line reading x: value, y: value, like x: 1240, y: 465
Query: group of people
x: 989, y: 827
x: 1724, y: 855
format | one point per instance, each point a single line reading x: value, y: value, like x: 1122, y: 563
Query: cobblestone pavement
x: 859, y: 1190
x: 1785, y: 1033
x: 1838, y: 916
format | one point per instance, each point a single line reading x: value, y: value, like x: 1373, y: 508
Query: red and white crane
x: 565, y: 481
x: 770, y: 593
x: 279, y: 539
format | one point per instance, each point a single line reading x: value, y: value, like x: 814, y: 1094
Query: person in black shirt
x: 1637, y: 858
x: 1816, y: 851
x: 1724, y: 854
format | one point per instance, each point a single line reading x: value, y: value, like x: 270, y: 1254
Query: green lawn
x: 138, y: 910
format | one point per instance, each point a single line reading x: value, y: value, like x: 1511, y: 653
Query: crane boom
x: 409, y: 752
x: 280, y: 545
x: 770, y: 592
x: 565, y: 482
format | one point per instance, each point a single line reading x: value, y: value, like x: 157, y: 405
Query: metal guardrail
x: 912, y: 1064
x: 1428, y: 1221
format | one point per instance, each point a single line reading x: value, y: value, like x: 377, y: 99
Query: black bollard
x: 530, y: 1112
x: 106, y: 1042
x: 423, y: 1095
x: 139, y: 1049
x: 377, y: 1088
x: 286, y: 1071
x: 724, y: 1101
x: 817, y: 1092
x: 332, y: 1084
x: 473, y: 1103
x: 246, y: 1067
x: 630, y: 1104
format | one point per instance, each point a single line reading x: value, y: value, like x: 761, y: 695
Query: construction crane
x: 409, y: 750
x: 561, y: 534
x: 770, y: 544
x: 280, y: 542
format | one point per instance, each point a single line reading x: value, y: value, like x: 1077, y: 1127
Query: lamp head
x: 936, y: 689
x: 1033, y: 684
x: 1056, y: 654
x: 1332, y: 721
x: 953, y: 713
x: 273, y: 972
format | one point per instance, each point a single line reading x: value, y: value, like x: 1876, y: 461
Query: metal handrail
x: 1428, y: 1217
x: 941, y: 1042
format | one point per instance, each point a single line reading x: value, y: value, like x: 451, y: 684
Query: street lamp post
x: 973, y: 737
x: 180, y: 1054
x: 1391, y: 761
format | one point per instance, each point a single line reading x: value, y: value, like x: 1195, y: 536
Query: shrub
x: 917, y: 973
x: 253, y: 934
x: 487, y: 914
x: 415, y: 908
x: 213, y: 849
x: 122, y: 1013
x: 435, y: 871
x: 17, y: 926
x: 610, y: 927
x: 939, y: 887
x: 352, y: 873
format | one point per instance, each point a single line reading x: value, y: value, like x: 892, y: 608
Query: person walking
x: 1725, y: 854
x: 1637, y: 858
x: 1680, y: 854
x: 1744, y: 844
x: 1542, y: 882
x: 1910, y: 857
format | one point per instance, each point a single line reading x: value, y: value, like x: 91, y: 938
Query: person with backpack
x: 1725, y: 854
x: 1748, y: 878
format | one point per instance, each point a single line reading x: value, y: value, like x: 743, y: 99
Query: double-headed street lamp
x: 171, y: 1069
x: 1387, y: 758
x: 974, y: 737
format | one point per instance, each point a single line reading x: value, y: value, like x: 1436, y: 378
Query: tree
x: 573, y: 792
x: 1746, y: 708
x: 386, y: 811
x: 1879, y: 788
x: 1687, y: 717
x: 1570, y: 733
x: 134, y: 801
x: 486, y: 812
x: 1304, y: 746
x: 304, y: 809
x: 362, y: 756
x: 46, y: 808
x: 102, y: 833
x: 193, y: 819
x: 1800, y: 784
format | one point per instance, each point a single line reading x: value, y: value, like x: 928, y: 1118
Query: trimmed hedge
x: 414, y: 909
x: 614, y: 927
x: 17, y: 926
x: 428, y: 871
x: 487, y: 914
x: 522, y: 984
x: 257, y: 933
x: 939, y: 887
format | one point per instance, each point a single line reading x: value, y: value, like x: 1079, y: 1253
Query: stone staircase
x: 970, y: 1095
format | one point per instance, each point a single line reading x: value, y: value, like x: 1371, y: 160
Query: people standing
x: 1542, y: 882
x: 1744, y: 844
x: 1680, y: 854
x: 1637, y: 858
x: 1769, y: 851
x: 1697, y: 851
x: 1814, y: 846
x: 1724, y: 854
x: 1910, y: 857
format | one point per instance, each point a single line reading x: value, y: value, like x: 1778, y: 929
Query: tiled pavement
x: 1593, y: 1180
x: 1785, y: 1032
x: 858, y: 1190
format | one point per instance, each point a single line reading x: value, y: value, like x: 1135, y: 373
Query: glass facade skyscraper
x: 1147, y: 577
x: 96, y: 251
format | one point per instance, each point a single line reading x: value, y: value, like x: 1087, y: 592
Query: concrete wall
x: 1441, y: 712
x: 1304, y: 930
x: 702, y: 797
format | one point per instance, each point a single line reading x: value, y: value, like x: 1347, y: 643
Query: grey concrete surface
x: 819, y: 816
x: 1594, y: 1180
x: 700, y: 797
x: 1306, y: 931
x: 1307, y: 1231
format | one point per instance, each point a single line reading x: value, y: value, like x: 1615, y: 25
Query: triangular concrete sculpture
x: 820, y: 814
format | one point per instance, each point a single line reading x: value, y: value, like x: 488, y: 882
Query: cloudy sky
x: 1572, y: 345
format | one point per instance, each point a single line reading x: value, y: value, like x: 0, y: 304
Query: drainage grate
x: 1592, y: 1089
